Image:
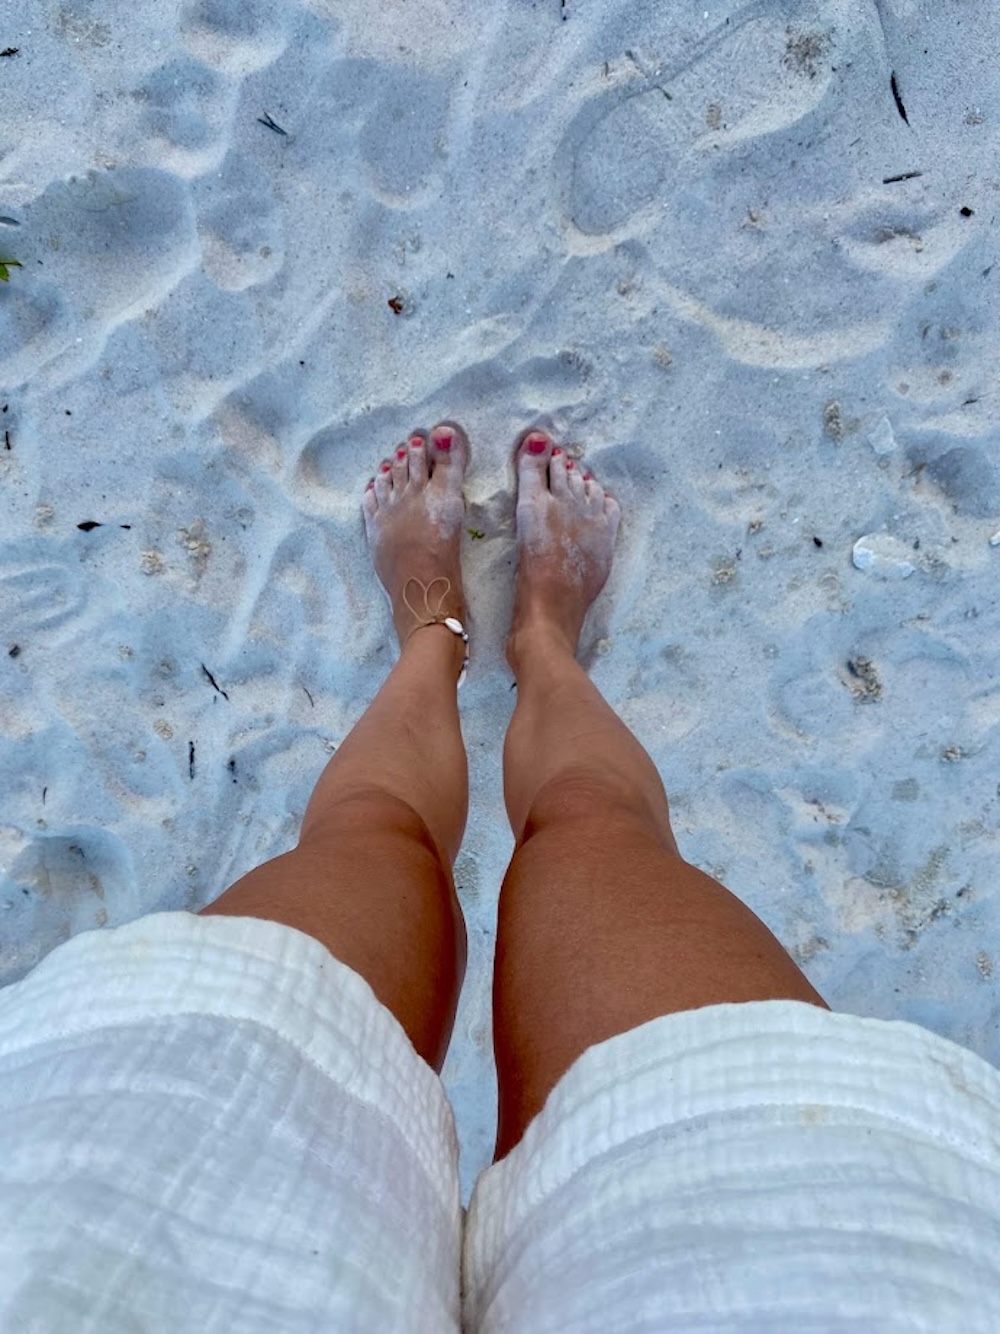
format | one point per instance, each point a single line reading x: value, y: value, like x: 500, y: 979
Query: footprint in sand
x: 714, y: 171
x: 58, y: 884
x: 36, y: 323
x: 331, y: 455
x: 40, y: 600
x: 194, y: 368
x: 618, y: 154
x: 242, y: 238
x: 235, y: 36
x: 291, y: 606
x: 187, y: 110
x: 963, y: 473
x: 558, y: 384
x: 117, y: 241
x: 257, y: 422
x: 911, y: 241
x: 396, y: 115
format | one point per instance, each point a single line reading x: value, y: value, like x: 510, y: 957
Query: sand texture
x: 740, y: 256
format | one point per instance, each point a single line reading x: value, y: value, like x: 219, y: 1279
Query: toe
x: 383, y: 482
x: 558, y: 476
x: 418, y: 459
x: 400, y: 467
x: 448, y: 455
x: 595, y: 493
x: 613, y: 513
x: 369, y: 505
x: 534, y: 450
x: 577, y: 486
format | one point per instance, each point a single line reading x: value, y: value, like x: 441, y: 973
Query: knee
x: 366, y: 812
x: 595, y: 796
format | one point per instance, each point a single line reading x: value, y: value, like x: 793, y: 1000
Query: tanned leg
x: 371, y: 877
x: 602, y: 924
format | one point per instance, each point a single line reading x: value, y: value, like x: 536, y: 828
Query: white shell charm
x: 456, y: 627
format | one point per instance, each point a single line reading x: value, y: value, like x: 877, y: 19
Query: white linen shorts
x: 211, y: 1125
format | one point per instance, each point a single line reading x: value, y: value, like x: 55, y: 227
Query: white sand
x: 661, y: 229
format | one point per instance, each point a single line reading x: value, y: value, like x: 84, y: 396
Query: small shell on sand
x: 881, y: 438
x: 884, y: 556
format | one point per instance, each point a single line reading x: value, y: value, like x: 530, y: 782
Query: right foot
x: 566, y: 527
x: 413, y: 511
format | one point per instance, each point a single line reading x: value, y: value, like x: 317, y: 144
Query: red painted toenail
x: 536, y: 445
x: 401, y: 452
x: 444, y: 440
x: 386, y: 467
x: 416, y: 442
x: 556, y: 451
x: 570, y: 465
x: 588, y: 477
x: 370, y: 484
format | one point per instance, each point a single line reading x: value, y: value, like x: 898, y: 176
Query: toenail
x: 444, y: 440
x: 556, y: 451
x: 588, y: 477
x: 416, y: 442
x: 386, y: 467
x: 537, y: 445
x: 570, y: 465
x: 401, y: 452
x: 370, y: 484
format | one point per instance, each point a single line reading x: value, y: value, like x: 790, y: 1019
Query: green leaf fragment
x: 5, y: 265
x: 475, y: 534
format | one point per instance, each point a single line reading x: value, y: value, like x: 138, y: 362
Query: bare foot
x: 566, y: 528
x: 413, y: 510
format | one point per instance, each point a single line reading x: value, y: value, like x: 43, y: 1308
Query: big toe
x: 534, y: 450
x: 448, y: 456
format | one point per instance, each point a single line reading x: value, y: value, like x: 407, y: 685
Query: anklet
x: 451, y: 623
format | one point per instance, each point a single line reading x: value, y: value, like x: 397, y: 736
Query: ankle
x: 438, y: 647
x: 407, y: 624
x: 416, y: 603
x: 538, y: 641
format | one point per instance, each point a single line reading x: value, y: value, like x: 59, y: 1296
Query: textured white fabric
x: 766, y: 1167
x: 210, y: 1125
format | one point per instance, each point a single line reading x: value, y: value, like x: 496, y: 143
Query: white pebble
x: 883, y: 556
x: 995, y: 540
x: 881, y: 438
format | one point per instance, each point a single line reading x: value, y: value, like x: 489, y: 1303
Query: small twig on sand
x: 271, y: 124
x: 899, y: 101
x: 212, y: 682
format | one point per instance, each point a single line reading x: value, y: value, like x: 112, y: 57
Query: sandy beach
x: 741, y: 257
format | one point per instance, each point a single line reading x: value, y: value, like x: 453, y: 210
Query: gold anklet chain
x: 434, y: 617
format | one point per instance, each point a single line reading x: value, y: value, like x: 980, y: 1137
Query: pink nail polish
x: 556, y: 451
x: 401, y: 452
x: 537, y: 446
x: 416, y: 442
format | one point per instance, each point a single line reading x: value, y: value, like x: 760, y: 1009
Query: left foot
x: 413, y: 509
